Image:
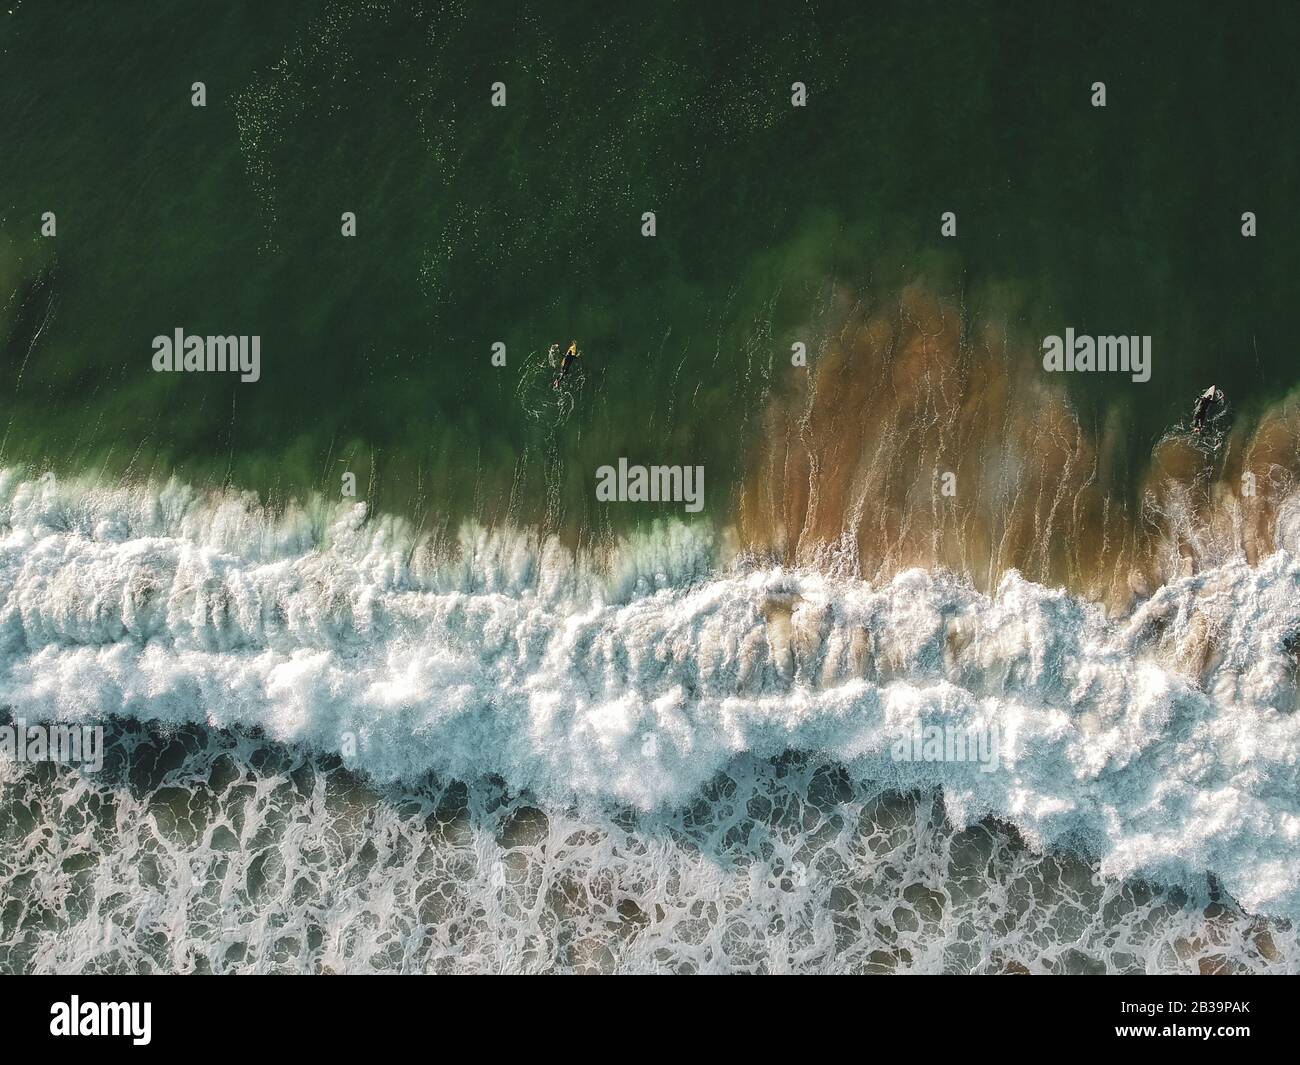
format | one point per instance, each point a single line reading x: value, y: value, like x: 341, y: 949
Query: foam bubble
x: 1164, y: 743
x: 199, y: 850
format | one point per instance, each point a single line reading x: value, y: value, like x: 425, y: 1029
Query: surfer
x: 570, y: 357
x: 1204, y: 402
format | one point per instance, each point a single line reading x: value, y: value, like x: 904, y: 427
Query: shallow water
x: 202, y: 851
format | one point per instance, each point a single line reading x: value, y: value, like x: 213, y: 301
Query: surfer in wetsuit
x: 1204, y: 402
x: 570, y: 357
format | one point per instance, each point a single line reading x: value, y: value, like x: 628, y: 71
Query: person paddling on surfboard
x: 1204, y: 402
x: 570, y: 357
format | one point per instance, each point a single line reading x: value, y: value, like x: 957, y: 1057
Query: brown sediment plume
x: 920, y: 437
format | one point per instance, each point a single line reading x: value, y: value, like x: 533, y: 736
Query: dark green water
x: 522, y: 224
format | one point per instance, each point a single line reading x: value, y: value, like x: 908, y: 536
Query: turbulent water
x: 477, y: 716
x: 334, y: 746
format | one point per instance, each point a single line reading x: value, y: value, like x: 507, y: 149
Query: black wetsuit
x: 1203, y: 404
x: 569, y: 359
x: 1198, y: 416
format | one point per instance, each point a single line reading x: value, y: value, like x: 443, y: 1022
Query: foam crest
x: 1164, y: 743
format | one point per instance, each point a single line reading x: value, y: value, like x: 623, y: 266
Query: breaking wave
x: 1162, y: 744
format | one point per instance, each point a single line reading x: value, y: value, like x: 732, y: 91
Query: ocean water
x: 333, y: 749
x: 476, y: 718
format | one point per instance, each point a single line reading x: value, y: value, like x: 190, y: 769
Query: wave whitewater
x: 1163, y: 743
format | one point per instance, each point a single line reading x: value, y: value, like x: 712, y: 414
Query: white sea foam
x: 1164, y: 743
